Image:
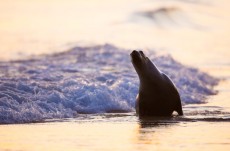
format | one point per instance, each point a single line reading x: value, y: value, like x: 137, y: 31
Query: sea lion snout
x: 137, y: 56
x: 137, y: 60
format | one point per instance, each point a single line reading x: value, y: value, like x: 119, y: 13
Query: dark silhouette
x: 158, y: 95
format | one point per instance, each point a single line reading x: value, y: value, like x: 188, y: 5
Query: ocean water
x: 67, y: 82
x: 86, y: 80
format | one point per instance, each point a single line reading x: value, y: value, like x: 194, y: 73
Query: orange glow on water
x: 114, y: 136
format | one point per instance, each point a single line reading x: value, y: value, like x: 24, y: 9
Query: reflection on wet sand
x: 163, y: 134
x: 157, y: 121
x: 150, y: 132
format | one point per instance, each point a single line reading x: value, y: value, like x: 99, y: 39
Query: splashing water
x: 96, y: 79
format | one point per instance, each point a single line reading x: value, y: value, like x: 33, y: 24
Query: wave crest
x: 94, y: 79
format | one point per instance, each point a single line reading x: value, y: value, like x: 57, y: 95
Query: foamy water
x: 96, y: 79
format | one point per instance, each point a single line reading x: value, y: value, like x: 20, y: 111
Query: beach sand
x: 114, y: 134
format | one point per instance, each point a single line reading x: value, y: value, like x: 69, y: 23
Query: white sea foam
x: 96, y: 79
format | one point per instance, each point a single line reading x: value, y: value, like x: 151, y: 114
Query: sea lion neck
x: 145, y: 69
x: 149, y: 72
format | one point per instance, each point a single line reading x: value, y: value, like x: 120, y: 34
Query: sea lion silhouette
x: 158, y: 95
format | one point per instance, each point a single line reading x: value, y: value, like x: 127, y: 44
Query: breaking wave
x: 86, y: 80
x: 166, y: 17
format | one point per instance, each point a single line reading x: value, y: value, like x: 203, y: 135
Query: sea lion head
x: 139, y: 61
x: 143, y: 66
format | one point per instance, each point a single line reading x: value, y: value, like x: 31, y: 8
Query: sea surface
x: 67, y: 82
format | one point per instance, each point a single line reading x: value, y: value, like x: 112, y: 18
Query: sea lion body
x: 158, y: 95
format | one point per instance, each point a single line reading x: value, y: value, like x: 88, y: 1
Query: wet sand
x: 117, y: 135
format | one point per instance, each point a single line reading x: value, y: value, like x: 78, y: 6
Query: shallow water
x: 97, y: 79
x: 116, y: 132
x: 203, y: 127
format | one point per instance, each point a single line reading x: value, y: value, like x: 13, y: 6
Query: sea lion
x: 158, y: 95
